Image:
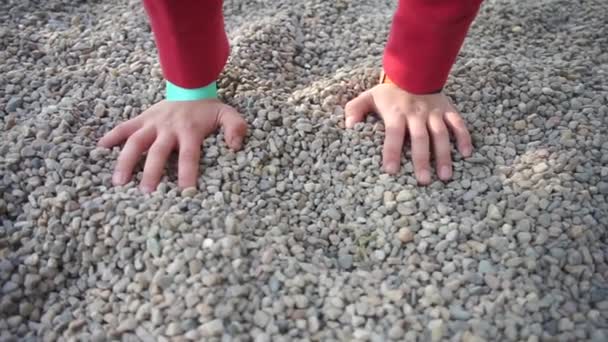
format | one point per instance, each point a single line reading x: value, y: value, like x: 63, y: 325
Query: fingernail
x: 349, y: 122
x: 466, y: 151
x: 392, y: 167
x: 119, y: 178
x: 146, y: 189
x: 424, y: 177
x: 445, y: 173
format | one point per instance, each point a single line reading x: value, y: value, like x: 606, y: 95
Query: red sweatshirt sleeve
x: 190, y: 38
x: 425, y: 38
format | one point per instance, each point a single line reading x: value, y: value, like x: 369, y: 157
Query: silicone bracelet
x: 177, y: 93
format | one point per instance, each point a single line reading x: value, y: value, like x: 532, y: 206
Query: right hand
x: 169, y: 125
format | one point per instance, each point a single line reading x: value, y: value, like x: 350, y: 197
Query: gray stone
x: 261, y: 319
x: 345, y: 261
x: 437, y: 329
x: 301, y: 225
x: 485, y: 266
x: 457, y: 312
x: 524, y: 237
x: 127, y: 325
x: 25, y: 309
x: 396, y: 332
x: 405, y: 196
x: 494, y: 213
x: 565, y: 324
x: 153, y: 246
x: 13, y: 103
x: 262, y: 337
x: 173, y: 329
x: 452, y: 235
x: 379, y: 255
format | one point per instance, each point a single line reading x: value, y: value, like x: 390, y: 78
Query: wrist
x: 177, y: 93
x: 384, y: 79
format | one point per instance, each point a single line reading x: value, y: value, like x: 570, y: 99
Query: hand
x: 426, y: 117
x: 166, y: 126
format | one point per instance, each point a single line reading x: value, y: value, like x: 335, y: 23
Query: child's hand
x: 167, y: 126
x: 425, y: 117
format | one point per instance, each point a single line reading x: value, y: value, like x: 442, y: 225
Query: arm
x: 191, y: 41
x: 193, y: 49
x: 425, y: 38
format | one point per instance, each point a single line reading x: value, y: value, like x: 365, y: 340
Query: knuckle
x: 156, y: 149
x: 442, y: 151
x: 152, y: 171
x: 121, y: 126
x: 419, y: 136
x: 445, y: 163
x: 120, y: 129
x: 421, y: 162
x: 137, y: 141
x: 394, y: 129
x: 461, y: 131
x: 391, y: 150
x: 165, y: 145
x: 458, y: 122
x: 122, y: 165
x: 179, y: 127
x: 348, y: 108
x: 421, y: 158
x: 398, y: 110
x: 188, y: 153
x: 419, y: 109
x: 440, y: 131
x: 241, y: 126
x: 236, y: 131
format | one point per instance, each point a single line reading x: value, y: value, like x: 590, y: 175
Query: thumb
x: 358, y: 108
x: 235, y: 127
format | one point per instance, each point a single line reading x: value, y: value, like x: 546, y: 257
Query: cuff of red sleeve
x: 412, y: 79
x: 177, y: 93
x: 385, y: 79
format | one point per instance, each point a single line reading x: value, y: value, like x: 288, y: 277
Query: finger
x: 235, y: 128
x: 136, y: 145
x: 441, y: 146
x: 458, y: 127
x: 420, y: 150
x: 155, y: 162
x: 393, y: 142
x: 357, y: 109
x: 189, y: 157
x: 119, y: 133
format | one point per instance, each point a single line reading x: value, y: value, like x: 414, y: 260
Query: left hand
x: 426, y: 118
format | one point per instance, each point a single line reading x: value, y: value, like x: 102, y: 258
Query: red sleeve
x: 191, y: 41
x: 425, y: 38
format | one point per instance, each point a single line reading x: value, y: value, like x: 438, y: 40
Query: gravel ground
x: 300, y: 236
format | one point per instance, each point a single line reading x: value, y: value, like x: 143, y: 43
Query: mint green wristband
x: 177, y: 93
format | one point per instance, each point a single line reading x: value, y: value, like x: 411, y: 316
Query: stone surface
x: 300, y: 235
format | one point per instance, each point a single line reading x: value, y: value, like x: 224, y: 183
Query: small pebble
x: 405, y: 235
